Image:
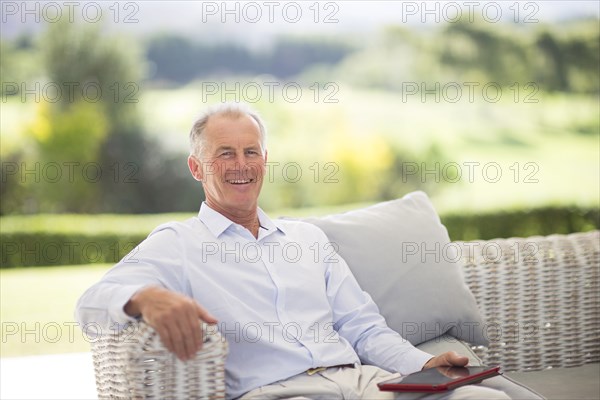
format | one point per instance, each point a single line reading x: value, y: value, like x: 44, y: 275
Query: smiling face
x: 232, y: 164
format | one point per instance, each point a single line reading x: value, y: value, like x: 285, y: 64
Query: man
x: 297, y: 323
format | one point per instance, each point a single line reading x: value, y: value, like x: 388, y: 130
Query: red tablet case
x: 441, y: 387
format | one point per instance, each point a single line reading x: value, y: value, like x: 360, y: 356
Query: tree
x: 89, y: 146
x: 101, y: 68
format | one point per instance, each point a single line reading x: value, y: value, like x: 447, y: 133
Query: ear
x: 195, y: 167
x: 266, y: 154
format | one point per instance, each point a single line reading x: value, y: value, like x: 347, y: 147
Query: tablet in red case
x: 439, y: 379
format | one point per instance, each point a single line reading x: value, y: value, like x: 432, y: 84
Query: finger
x: 195, y: 331
x: 177, y: 340
x: 456, y: 359
x: 173, y: 336
x: 204, y: 315
x: 191, y: 336
x: 460, y: 361
x: 165, y: 338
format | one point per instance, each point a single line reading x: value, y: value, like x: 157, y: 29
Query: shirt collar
x: 217, y: 223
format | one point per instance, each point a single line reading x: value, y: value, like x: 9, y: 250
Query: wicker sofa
x: 538, y: 297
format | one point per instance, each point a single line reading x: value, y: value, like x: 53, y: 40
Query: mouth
x: 240, y: 181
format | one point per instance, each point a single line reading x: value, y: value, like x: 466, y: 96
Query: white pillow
x: 401, y: 255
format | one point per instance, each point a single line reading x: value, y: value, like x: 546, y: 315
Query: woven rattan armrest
x: 539, y: 297
x: 133, y: 363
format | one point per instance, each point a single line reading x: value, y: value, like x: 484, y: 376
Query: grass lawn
x: 37, y: 306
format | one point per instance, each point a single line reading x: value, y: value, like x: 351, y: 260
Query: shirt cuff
x: 414, y: 361
x: 120, y: 298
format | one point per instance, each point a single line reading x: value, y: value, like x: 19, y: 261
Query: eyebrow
x: 223, y: 148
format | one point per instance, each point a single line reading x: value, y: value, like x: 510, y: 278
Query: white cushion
x: 401, y: 255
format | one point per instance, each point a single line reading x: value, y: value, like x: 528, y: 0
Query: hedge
x: 522, y: 223
x: 39, y: 248
x: 24, y: 249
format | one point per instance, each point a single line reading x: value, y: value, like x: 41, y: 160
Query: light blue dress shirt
x: 285, y: 301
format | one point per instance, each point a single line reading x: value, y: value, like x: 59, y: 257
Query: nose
x: 241, y: 162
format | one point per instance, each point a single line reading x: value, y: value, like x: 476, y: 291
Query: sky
x: 257, y: 22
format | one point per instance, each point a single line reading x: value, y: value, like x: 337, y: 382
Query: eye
x: 226, y: 153
x: 252, y: 152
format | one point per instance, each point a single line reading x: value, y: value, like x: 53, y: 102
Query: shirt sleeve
x: 356, y: 317
x: 158, y: 260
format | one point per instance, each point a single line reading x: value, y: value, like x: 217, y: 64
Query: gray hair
x: 229, y: 109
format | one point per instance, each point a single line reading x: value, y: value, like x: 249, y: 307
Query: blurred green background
x: 498, y: 122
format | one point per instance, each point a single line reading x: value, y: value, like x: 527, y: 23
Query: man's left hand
x: 447, y: 359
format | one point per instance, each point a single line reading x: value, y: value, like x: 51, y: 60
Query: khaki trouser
x: 359, y: 382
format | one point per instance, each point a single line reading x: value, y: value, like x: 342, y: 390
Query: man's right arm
x: 148, y: 283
